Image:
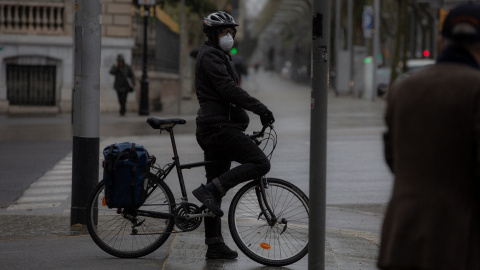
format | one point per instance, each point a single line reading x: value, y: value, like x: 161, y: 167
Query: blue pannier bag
x: 125, y: 174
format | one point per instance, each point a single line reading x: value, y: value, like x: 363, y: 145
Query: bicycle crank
x: 182, y: 217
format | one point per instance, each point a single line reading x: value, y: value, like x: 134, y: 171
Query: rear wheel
x: 284, y: 240
x: 124, y: 232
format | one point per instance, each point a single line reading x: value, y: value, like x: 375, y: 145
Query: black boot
x: 209, y: 200
x: 220, y: 251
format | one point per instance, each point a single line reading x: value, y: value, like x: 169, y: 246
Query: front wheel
x: 278, y: 242
x: 127, y: 233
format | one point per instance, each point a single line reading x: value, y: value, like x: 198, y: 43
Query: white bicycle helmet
x: 218, y: 19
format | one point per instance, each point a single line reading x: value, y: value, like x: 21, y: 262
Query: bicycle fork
x: 265, y: 208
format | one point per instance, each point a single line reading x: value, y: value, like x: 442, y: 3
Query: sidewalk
x: 358, y: 187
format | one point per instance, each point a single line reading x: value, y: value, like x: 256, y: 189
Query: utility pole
x: 86, y: 105
x: 338, y: 29
x: 338, y: 41
x: 350, y: 46
x: 318, y: 134
x: 376, y: 46
x: 181, y: 66
x: 143, y: 110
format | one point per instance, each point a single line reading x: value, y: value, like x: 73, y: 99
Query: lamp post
x: 143, y: 110
x: 318, y: 134
x: 86, y: 105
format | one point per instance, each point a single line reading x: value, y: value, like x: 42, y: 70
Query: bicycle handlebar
x: 258, y: 134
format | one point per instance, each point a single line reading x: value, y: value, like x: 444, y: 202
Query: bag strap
x: 134, y: 172
x: 123, y: 153
x: 109, y: 163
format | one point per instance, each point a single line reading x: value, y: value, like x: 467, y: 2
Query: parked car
x: 413, y: 65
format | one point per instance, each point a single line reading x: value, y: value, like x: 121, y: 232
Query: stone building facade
x: 37, y: 48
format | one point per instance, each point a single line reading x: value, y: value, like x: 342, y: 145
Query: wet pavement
x: 35, y: 229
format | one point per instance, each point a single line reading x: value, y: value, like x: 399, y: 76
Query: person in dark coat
x: 432, y: 146
x: 221, y: 122
x: 124, y: 81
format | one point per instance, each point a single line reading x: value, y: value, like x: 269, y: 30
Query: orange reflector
x: 104, y: 202
x: 265, y: 246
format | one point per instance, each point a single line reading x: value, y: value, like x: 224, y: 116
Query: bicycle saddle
x: 157, y: 123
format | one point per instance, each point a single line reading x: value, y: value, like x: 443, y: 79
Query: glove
x: 267, y: 118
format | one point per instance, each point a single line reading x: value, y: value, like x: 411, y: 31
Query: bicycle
x: 268, y: 217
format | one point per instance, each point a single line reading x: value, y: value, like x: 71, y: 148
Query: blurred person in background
x: 432, y: 146
x: 124, y: 81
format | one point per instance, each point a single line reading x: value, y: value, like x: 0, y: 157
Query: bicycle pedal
x: 211, y: 214
x: 207, y: 211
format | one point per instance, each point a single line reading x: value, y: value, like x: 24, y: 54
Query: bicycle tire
x: 113, y: 232
x: 283, y: 243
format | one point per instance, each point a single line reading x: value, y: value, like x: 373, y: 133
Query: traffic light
x: 234, y: 49
x: 426, y: 53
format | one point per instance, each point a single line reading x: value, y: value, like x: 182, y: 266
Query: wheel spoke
x: 124, y: 234
x: 280, y: 243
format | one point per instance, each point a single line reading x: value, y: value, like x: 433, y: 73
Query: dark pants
x: 122, y: 99
x: 229, y: 144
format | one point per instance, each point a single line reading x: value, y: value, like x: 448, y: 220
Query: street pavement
x: 35, y: 231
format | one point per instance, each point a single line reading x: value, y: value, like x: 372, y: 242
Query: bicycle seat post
x: 176, y: 160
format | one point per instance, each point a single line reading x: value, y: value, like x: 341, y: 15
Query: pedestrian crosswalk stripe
x: 47, y: 190
x: 52, y: 190
x: 67, y: 167
x: 25, y: 199
x: 51, y: 183
x: 28, y: 206
x: 57, y: 172
x: 57, y: 177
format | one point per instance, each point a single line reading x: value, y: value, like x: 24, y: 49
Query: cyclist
x: 221, y: 122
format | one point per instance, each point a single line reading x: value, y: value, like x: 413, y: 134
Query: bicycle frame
x: 179, y: 167
x: 263, y: 203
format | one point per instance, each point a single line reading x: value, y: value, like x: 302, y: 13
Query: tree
x: 195, y: 10
x: 199, y: 7
x: 401, y: 38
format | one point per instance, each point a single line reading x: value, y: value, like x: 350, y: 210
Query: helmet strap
x: 212, y: 35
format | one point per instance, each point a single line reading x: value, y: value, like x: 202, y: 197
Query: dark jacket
x: 432, y: 145
x: 122, y: 73
x: 222, y: 101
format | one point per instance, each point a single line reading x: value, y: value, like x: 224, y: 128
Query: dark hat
x: 120, y: 58
x: 466, y: 14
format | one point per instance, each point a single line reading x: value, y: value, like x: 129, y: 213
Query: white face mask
x: 226, y: 42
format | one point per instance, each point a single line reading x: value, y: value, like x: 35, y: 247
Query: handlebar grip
x: 265, y: 127
x: 260, y: 133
